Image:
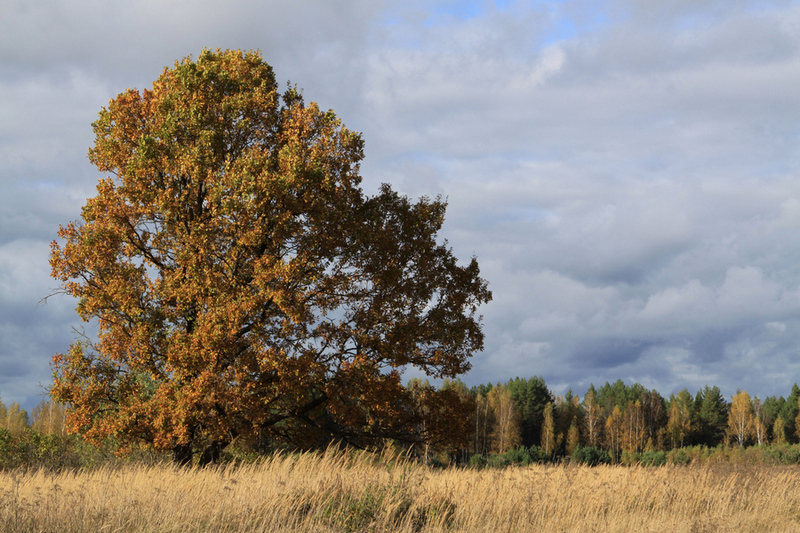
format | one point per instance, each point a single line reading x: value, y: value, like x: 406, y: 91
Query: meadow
x: 337, y: 491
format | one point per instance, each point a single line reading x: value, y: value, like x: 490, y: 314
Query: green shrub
x: 526, y: 456
x: 591, y: 456
x: 477, y: 461
x: 653, y: 459
x: 497, y: 461
x: 679, y: 457
x: 791, y: 455
x: 629, y: 458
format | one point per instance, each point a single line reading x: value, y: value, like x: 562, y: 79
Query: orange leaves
x: 242, y: 281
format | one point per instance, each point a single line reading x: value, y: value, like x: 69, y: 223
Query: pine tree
x: 712, y: 414
x: 790, y: 412
x: 530, y: 396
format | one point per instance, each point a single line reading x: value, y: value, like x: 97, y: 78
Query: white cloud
x: 625, y: 171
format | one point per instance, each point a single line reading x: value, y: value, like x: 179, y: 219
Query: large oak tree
x: 242, y: 282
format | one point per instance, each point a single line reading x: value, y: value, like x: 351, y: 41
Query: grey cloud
x: 13, y: 368
x: 111, y: 36
x: 579, y: 99
x: 629, y: 186
x: 607, y: 354
x: 690, y: 13
x: 61, y: 61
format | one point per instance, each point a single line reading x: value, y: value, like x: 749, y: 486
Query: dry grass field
x: 345, y: 492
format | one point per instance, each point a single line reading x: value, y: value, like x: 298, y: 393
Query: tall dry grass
x: 341, y: 492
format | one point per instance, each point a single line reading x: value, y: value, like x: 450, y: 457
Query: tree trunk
x: 182, y: 454
x: 211, y: 453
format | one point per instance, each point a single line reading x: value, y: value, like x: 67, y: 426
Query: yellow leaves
x: 234, y: 260
x: 741, y: 421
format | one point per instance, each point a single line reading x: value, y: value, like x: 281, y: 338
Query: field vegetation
x: 355, y: 492
x: 56, y: 482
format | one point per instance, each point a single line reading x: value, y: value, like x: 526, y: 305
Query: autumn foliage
x: 243, y: 284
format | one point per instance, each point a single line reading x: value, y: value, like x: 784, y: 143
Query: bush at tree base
x: 591, y: 456
x: 31, y: 449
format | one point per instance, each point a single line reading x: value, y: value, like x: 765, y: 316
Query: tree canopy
x: 242, y: 282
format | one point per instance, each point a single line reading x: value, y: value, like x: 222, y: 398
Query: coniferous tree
x: 613, y: 395
x: 530, y: 396
x: 790, y: 411
x: 712, y: 415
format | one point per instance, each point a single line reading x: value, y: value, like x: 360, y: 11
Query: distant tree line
x: 520, y: 420
x: 616, y: 418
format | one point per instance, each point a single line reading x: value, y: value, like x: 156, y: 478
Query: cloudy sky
x: 627, y: 172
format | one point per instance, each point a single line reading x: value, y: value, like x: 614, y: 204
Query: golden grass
x: 342, y: 492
